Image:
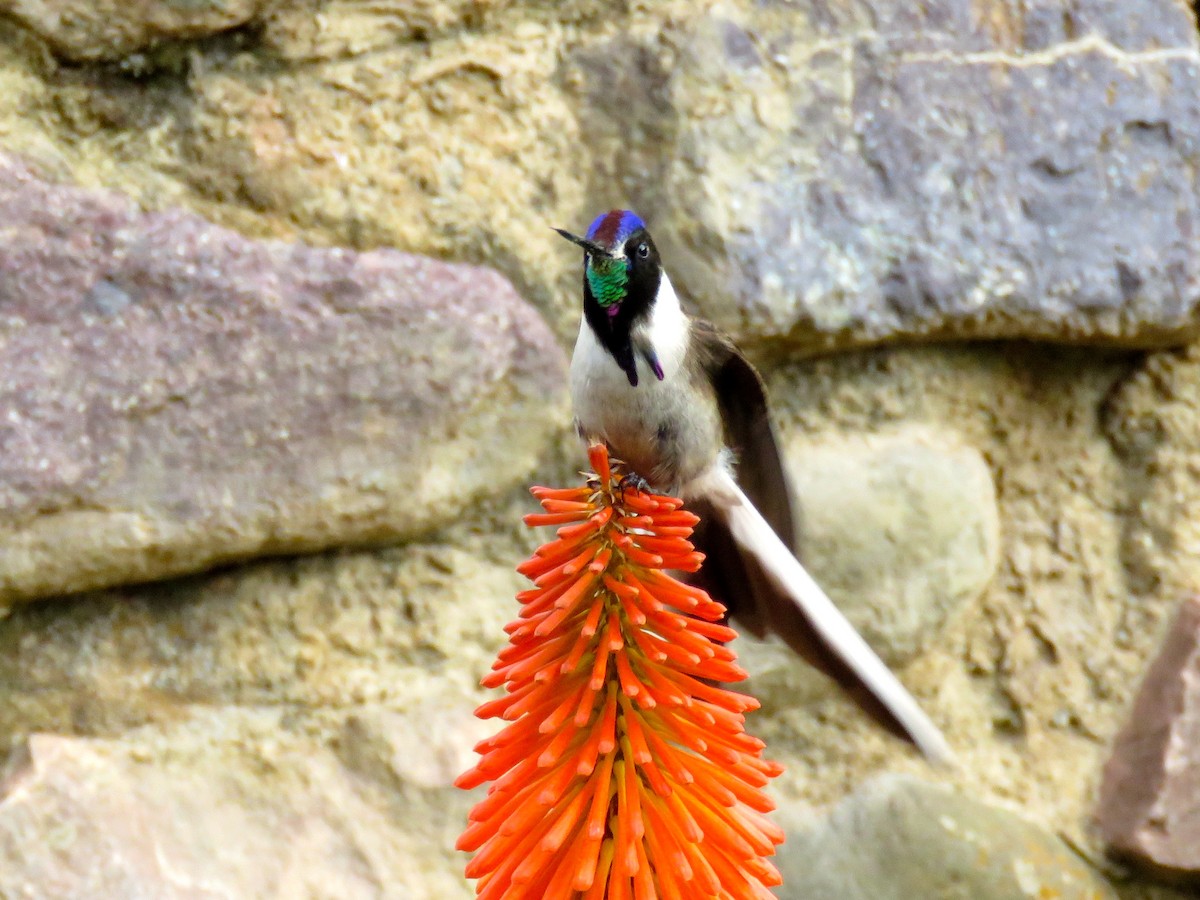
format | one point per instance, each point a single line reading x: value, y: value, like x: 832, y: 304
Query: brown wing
x: 735, y: 577
x: 749, y: 433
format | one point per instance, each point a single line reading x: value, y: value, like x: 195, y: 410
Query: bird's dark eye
x: 643, y: 250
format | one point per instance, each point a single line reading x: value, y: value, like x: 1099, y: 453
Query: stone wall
x: 283, y: 335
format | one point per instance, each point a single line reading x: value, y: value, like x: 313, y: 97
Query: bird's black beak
x: 589, y: 246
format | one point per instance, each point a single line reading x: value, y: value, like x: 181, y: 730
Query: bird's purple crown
x: 613, y: 228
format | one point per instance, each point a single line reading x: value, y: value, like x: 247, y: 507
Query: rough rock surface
x: 1153, y: 422
x: 323, y: 638
x: 86, y: 817
x: 461, y: 129
x: 312, y: 30
x: 293, y: 722
x: 456, y: 147
x: 353, y: 648
x: 1149, y: 808
x: 892, y: 170
x: 174, y: 395
x: 901, y: 529
x: 84, y: 30
x: 816, y: 177
x: 900, y: 838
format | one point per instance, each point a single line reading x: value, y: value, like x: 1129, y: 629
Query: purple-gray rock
x: 173, y: 394
x: 894, y: 171
x: 1149, y: 810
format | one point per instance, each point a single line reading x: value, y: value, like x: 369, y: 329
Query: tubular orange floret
x: 623, y: 772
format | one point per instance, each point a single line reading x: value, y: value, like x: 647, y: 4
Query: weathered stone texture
x: 900, y: 838
x: 817, y: 174
x: 96, y: 818
x: 312, y: 30
x: 901, y: 529
x: 1149, y: 809
x: 918, y: 177
x: 289, y: 726
x: 173, y: 395
x: 90, y: 30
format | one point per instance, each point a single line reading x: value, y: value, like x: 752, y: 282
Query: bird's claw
x: 633, y: 481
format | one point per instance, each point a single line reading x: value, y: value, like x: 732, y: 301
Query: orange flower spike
x: 587, y: 703
x: 545, y: 493
x: 592, y: 622
x: 603, y: 870
x: 630, y: 685
x: 638, y: 750
x: 582, y: 861
x: 598, y: 814
x: 608, y: 722
x: 599, y: 666
x: 640, y: 557
x: 643, y: 881
x: 598, y: 457
x: 624, y: 773
x: 552, y: 505
x: 568, y: 704
x: 535, y: 519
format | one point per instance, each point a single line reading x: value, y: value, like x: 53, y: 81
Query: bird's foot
x: 633, y: 481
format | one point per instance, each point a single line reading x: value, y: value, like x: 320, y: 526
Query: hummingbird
x: 673, y: 397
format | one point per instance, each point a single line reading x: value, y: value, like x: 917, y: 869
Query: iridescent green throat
x: 607, y: 278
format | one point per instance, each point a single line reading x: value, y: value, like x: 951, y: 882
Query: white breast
x: 598, y: 383
x: 667, y: 328
x: 607, y: 406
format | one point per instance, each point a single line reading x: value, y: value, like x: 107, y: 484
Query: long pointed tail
x: 801, y: 613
